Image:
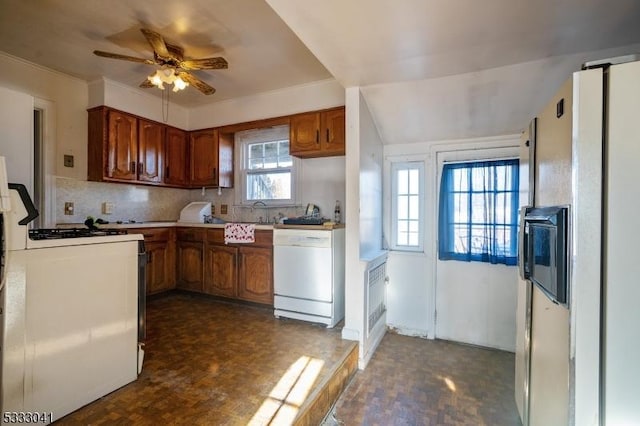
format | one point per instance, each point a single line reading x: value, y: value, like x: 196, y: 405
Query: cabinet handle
x: 141, y: 167
x: 328, y: 136
x: 132, y: 167
x: 166, y: 174
x: 214, y: 173
x: 317, y: 136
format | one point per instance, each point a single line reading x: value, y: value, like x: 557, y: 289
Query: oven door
x: 142, y: 292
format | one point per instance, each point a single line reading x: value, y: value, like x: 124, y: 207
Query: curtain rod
x: 510, y: 157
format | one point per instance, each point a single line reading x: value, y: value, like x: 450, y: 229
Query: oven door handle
x: 32, y: 212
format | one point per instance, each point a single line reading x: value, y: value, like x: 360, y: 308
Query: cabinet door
x: 220, y: 275
x: 159, y: 267
x: 150, y: 151
x: 176, y: 150
x: 189, y: 265
x: 204, y: 158
x: 122, y: 146
x: 255, y: 282
x: 333, y: 139
x: 304, y: 134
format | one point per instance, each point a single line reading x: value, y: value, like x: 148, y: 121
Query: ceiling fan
x: 174, y: 67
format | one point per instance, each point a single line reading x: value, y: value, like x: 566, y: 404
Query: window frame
x: 397, y: 166
x: 448, y: 252
x: 264, y: 135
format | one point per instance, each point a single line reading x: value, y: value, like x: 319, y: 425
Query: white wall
x: 322, y: 183
x: 68, y: 97
x: 138, y: 102
x: 308, y: 97
x: 364, y: 224
x: 412, y: 276
x: 16, y: 140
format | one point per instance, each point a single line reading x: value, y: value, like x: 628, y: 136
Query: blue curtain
x: 478, y: 212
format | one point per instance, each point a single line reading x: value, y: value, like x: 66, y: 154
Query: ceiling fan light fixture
x: 168, y: 76
x: 179, y: 84
x: 156, y: 80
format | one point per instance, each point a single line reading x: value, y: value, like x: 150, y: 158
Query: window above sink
x: 268, y: 171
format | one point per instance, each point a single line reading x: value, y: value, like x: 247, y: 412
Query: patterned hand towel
x: 239, y: 233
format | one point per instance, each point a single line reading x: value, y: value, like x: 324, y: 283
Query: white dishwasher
x: 308, y: 269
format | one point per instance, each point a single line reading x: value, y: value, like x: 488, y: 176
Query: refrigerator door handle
x: 523, y: 244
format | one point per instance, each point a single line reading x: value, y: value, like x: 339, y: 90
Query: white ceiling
x: 262, y: 52
x: 429, y: 69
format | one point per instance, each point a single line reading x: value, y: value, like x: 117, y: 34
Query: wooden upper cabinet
x: 176, y: 163
x: 333, y: 125
x: 211, y: 159
x: 150, y: 151
x: 318, y: 134
x: 122, y: 147
x: 204, y: 158
x: 304, y: 134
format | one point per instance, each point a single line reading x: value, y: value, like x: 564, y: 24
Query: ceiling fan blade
x: 197, y: 83
x: 157, y: 43
x: 218, y: 63
x: 146, y: 84
x: 124, y: 57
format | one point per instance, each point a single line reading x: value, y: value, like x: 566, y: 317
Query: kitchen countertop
x: 173, y: 224
x: 325, y: 227
x: 160, y: 224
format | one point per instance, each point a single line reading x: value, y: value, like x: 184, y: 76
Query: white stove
x: 70, y: 313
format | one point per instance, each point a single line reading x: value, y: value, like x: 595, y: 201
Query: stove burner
x: 58, y: 233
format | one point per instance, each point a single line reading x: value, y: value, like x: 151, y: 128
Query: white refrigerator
x: 578, y: 363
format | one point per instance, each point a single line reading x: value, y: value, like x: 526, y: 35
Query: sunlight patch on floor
x: 449, y: 382
x: 285, y: 399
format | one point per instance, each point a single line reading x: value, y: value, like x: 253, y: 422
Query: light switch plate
x: 223, y: 209
x: 68, y: 208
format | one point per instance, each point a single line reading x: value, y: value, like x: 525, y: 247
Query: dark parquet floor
x: 412, y: 381
x: 215, y: 363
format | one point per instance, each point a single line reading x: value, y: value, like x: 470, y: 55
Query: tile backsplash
x: 148, y: 203
x: 130, y: 202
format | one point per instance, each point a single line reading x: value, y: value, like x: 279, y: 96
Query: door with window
x: 477, y: 252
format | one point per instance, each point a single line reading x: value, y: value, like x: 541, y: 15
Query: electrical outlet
x: 68, y: 160
x: 68, y: 208
x: 213, y: 209
x: 107, y: 207
x: 223, y: 209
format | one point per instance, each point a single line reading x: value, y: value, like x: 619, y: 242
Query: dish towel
x: 239, y: 233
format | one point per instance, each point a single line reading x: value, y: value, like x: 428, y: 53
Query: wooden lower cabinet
x: 190, y: 256
x: 220, y: 270
x: 160, y: 267
x: 255, y: 281
x: 239, y: 271
x: 160, y: 246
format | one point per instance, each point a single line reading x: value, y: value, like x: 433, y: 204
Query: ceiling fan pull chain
x: 165, y: 106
